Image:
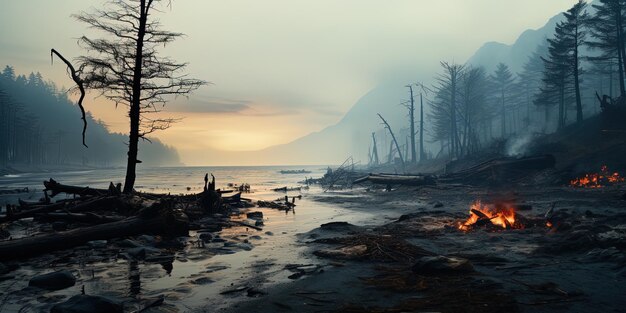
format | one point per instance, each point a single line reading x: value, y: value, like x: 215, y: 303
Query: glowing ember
x: 483, y: 215
x: 597, y: 180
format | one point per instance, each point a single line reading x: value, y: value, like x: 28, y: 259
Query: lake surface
x: 196, y: 281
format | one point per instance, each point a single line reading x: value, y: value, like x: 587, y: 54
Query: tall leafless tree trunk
x: 394, y: 139
x: 412, y: 125
x: 422, y: 153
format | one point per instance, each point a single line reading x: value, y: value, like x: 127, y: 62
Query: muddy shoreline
x: 577, y: 267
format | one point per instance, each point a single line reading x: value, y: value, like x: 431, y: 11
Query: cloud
x: 208, y: 104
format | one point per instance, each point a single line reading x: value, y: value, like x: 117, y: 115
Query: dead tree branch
x: 79, y: 84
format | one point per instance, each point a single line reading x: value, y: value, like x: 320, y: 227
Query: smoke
x: 518, y: 145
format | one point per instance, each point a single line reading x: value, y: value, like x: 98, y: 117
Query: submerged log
x: 406, y: 180
x: 158, y: 219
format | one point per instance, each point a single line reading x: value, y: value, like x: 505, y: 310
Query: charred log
x: 500, y: 170
x: 56, y: 188
x: 406, y: 180
x: 90, y: 205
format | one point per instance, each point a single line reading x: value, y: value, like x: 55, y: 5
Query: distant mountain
x: 352, y: 135
x: 515, y: 55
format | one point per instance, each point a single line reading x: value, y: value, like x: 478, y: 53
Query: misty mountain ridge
x: 355, y: 128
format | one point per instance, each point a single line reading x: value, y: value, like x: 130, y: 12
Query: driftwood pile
x: 500, y: 170
x: 494, y: 171
x: 283, y: 204
x: 102, y: 214
x: 392, y: 179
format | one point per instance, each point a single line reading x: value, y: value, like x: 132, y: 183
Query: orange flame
x: 597, y: 180
x: 503, y: 217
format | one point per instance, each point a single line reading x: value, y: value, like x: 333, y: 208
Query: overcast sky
x: 280, y: 68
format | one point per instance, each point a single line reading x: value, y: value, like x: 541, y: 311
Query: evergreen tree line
x: 556, y: 87
x: 39, y: 125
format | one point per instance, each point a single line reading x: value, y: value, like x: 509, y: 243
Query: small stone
x: 97, y: 244
x: 202, y: 281
x: 138, y: 253
x: 346, y: 253
x: 88, y: 304
x: 255, y: 293
x: 440, y: 264
x: 269, y: 233
x: 53, y: 281
x: 206, y: 237
x: 438, y: 204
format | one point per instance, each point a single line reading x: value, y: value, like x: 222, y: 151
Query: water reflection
x: 134, y: 278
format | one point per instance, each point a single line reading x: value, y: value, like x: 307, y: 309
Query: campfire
x: 497, y: 217
x: 597, y: 180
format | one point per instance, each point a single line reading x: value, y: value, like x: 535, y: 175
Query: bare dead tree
x: 126, y: 68
x: 411, y: 108
x: 74, y: 74
x: 375, y: 160
x: 394, y: 139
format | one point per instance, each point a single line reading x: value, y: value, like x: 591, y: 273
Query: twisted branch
x: 79, y: 83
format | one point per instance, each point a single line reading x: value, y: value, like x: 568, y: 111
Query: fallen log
x: 158, y: 219
x: 12, y: 191
x: 90, y: 218
x: 55, y: 188
x: 91, y: 205
x: 14, y: 216
x: 386, y: 179
x: 498, y: 170
x: 110, y: 203
x: 241, y: 223
x: 232, y: 199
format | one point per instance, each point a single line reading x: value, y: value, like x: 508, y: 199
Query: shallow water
x: 199, y: 276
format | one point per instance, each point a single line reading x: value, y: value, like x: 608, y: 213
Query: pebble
x: 53, y: 281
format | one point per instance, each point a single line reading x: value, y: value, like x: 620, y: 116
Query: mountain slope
x: 352, y: 135
x: 515, y: 55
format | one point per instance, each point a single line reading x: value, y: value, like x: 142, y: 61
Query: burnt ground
x: 578, y: 265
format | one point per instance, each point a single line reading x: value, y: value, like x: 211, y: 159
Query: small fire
x: 597, y: 180
x: 483, y: 215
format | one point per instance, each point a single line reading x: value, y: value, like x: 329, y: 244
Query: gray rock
x: 206, y: 237
x: 53, y: 281
x: 88, y: 304
x: 97, y: 243
x: 147, y: 239
x: 127, y: 243
x: 138, y: 253
x: 434, y: 265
